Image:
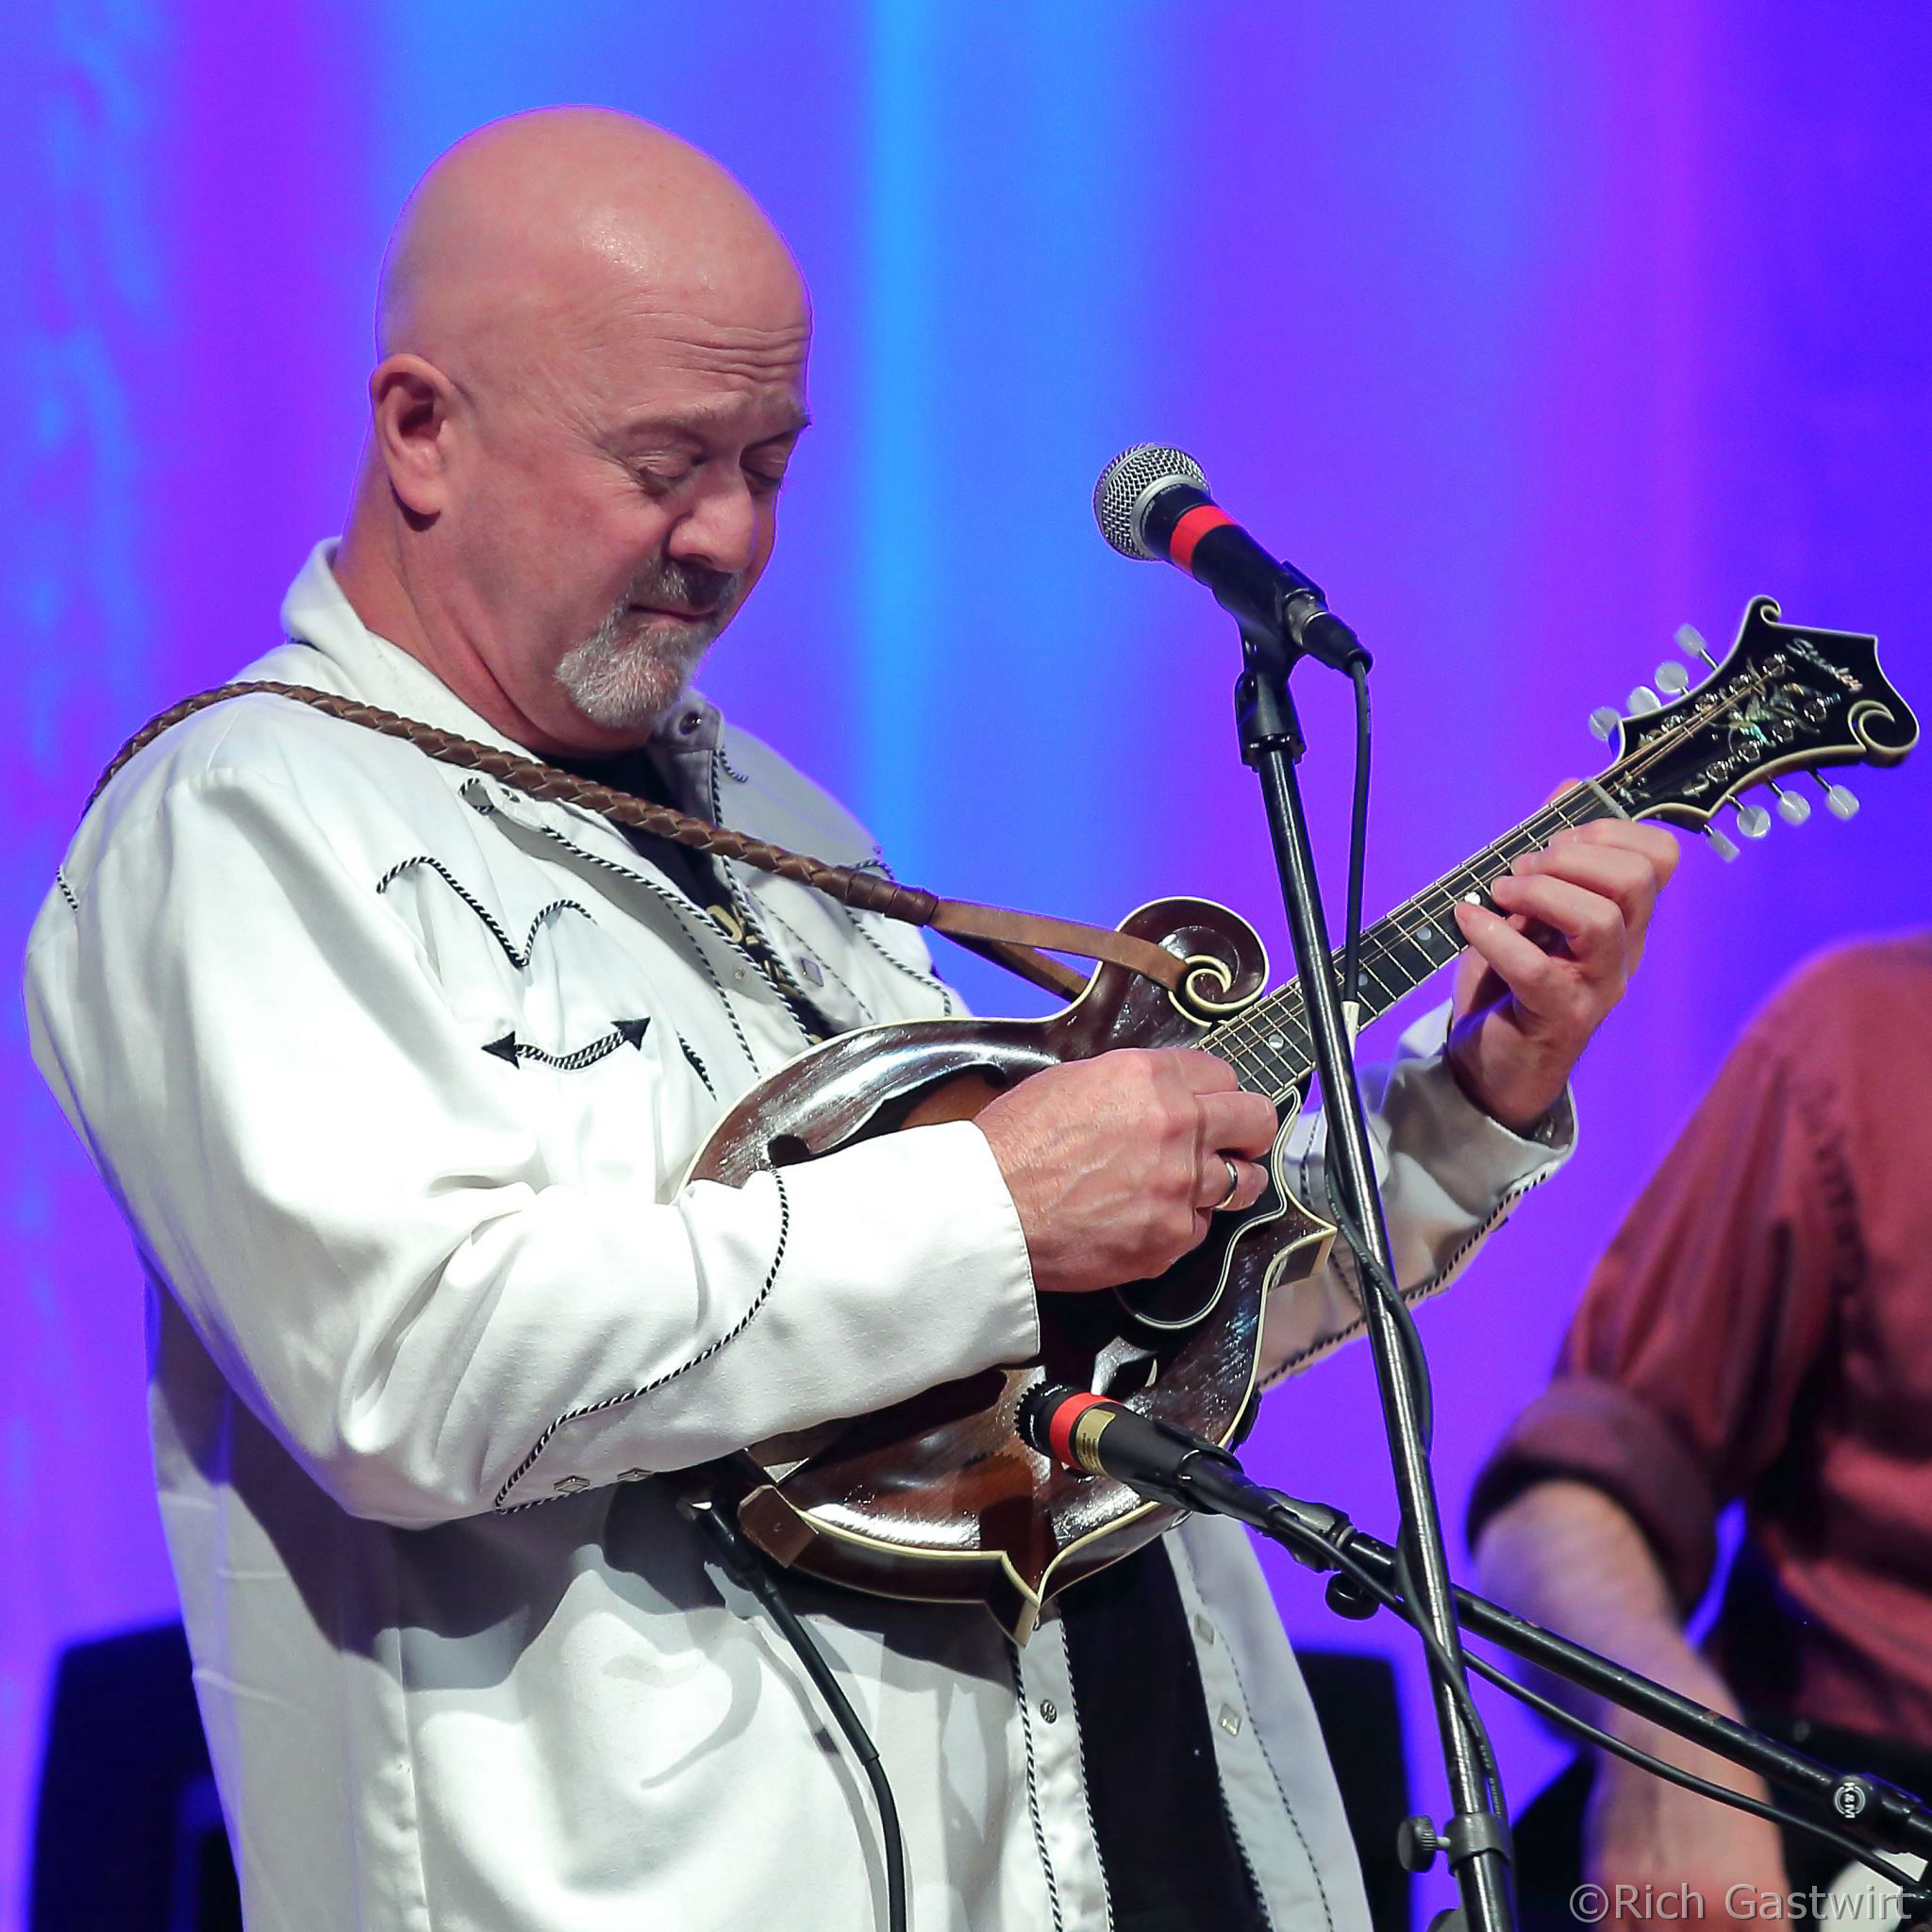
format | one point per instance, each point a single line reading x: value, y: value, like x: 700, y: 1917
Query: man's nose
x: 720, y: 530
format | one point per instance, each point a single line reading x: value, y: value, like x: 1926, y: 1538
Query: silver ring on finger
x: 1234, y: 1186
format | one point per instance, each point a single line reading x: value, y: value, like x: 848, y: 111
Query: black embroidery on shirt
x: 930, y: 980
x: 697, y: 1066
x: 1281, y: 1793
x: 1087, y: 1796
x: 1053, y: 1891
x: 877, y: 863
x: 1234, y: 1833
x: 804, y: 946
x: 796, y: 999
x: 676, y: 905
x: 518, y: 956
x: 66, y: 890
x: 684, y: 1368
x: 732, y: 770
x: 623, y: 1033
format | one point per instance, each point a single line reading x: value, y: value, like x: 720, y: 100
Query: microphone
x: 1094, y: 1436
x: 1153, y: 502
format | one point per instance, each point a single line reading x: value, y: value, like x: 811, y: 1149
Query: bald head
x: 593, y: 350
x: 522, y: 226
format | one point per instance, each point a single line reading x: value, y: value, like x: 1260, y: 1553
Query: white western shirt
x: 393, y: 1073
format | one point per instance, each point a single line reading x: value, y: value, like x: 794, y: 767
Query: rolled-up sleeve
x: 1677, y: 1383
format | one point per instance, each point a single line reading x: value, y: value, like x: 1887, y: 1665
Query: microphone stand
x: 1475, y: 1839
x: 1862, y: 1814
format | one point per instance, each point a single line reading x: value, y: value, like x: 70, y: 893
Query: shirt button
x: 1230, y: 1719
x: 566, y: 1484
x: 1049, y: 1710
x: 1204, y: 1629
x: 812, y: 968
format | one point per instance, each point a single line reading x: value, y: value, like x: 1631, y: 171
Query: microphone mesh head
x: 1126, y: 484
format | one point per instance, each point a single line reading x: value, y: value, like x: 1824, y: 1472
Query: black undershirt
x: 695, y: 874
x: 1166, y: 1844
x: 636, y: 772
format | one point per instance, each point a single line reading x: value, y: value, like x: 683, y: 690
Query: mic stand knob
x: 1347, y: 1598
x: 1417, y: 1844
x: 1417, y: 1840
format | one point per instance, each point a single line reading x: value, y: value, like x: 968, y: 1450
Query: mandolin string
x: 1281, y: 1010
x: 1283, y: 1014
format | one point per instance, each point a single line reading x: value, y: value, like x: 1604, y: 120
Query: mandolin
x: 936, y: 1497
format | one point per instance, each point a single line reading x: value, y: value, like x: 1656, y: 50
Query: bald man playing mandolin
x: 394, y: 1071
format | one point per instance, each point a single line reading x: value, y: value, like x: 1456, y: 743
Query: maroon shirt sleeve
x: 1676, y: 1383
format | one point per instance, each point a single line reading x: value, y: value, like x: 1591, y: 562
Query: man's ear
x: 411, y: 403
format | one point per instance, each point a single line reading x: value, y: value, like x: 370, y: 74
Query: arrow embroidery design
x: 623, y: 1033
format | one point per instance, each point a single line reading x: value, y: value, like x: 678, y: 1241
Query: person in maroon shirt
x: 1760, y: 1329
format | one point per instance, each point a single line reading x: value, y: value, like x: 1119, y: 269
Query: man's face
x: 617, y: 508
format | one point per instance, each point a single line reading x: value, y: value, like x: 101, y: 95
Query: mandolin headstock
x: 1787, y: 699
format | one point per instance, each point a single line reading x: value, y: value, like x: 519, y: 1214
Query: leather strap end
x: 1029, y: 963
x: 960, y: 919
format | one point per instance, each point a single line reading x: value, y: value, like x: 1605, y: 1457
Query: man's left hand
x: 1541, y: 973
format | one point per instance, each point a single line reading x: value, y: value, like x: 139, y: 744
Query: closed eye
x: 661, y: 480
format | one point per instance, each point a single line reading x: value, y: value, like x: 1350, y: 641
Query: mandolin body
x: 936, y: 1497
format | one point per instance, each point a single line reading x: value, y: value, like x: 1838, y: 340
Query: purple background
x: 1531, y: 331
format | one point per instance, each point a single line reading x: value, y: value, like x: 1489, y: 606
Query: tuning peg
x: 1752, y: 821
x: 1720, y: 845
x: 1793, y: 807
x: 1689, y: 639
x: 1840, y: 800
x: 1643, y: 700
x: 1605, y: 719
x: 1672, y: 677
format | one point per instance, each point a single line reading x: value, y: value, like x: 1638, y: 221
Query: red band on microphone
x: 1191, y: 528
x: 1060, y: 1429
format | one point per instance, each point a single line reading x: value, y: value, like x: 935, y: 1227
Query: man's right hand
x: 1118, y: 1163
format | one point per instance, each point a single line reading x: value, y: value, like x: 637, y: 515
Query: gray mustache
x: 693, y: 587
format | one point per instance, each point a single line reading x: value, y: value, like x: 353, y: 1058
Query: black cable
x: 1671, y: 1773
x: 746, y: 1566
x: 1357, y: 841
x: 1350, y: 995
x: 1394, y: 1600
x: 1376, y: 1278
x: 1471, y: 1717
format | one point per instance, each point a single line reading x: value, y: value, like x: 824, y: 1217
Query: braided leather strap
x: 1011, y: 938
